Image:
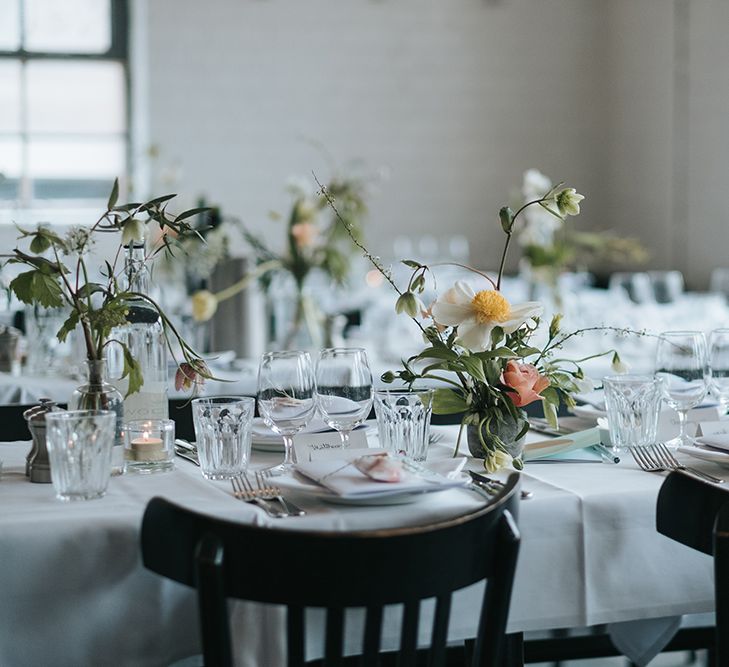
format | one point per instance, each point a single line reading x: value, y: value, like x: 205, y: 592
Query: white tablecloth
x: 75, y: 593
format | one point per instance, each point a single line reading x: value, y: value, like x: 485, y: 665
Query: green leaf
x: 438, y: 353
x: 133, y: 371
x: 524, y: 431
x: 158, y: 200
x: 90, y: 288
x: 22, y: 286
x: 412, y: 263
x: 550, y: 395
x: 68, y: 326
x: 40, y: 244
x: 188, y: 214
x: 114, y: 195
x: 448, y: 402
x: 497, y: 333
x: 474, y: 367
x: 46, y: 290
x: 554, y: 325
x: 528, y: 351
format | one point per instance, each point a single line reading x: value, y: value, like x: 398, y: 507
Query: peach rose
x: 304, y: 233
x: 525, y: 381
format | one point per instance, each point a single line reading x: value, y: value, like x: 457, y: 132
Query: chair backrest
x: 336, y: 571
x: 696, y: 513
x: 14, y: 426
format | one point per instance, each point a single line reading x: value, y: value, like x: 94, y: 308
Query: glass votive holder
x: 79, y: 450
x: 149, y: 445
x: 403, y: 421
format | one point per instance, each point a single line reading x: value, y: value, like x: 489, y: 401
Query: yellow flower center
x: 490, y: 306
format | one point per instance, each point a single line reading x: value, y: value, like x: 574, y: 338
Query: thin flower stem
x: 509, y: 234
x: 468, y: 268
x: 246, y: 280
x: 375, y: 262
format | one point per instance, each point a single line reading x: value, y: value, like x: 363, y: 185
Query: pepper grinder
x: 37, y: 465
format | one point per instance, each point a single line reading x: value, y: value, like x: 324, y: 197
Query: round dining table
x: 75, y: 591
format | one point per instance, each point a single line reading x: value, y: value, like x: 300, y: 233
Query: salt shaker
x: 37, y: 465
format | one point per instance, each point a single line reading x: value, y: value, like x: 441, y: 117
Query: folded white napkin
x: 718, y: 441
x: 341, y: 477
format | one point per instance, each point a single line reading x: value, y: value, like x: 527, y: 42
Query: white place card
x: 668, y: 427
x: 713, y: 428
x: 315, y: 446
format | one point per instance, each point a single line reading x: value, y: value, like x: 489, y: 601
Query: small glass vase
x: 99, y: 394
x: 506, y: 430
x: 297, y: 321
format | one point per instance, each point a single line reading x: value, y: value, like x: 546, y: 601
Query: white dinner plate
x: 706, y: 454
x: 299, y: 484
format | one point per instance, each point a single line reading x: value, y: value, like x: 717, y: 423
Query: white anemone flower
x: 477, y: 313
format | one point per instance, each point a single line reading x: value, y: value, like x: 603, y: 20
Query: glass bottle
x: 144, y: 336
x: 99, y: 394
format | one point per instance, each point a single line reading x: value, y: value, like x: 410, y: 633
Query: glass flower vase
x: 98, y: 394
x: 296, y: 320
x: 507, y: 430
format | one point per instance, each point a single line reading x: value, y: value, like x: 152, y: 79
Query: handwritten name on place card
x: 314, y: 446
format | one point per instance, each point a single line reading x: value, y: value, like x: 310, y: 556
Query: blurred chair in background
x: 719, y: 281
x: 637, y: 286
x: 668, y: 286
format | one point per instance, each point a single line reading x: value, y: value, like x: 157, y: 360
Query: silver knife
x: 187, y: 455
x: 489, y: 482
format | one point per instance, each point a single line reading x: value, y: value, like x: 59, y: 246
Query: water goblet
x: 719, y: 364
x: 682, y: 364
x: 343, y: 389
x: 286, y: 398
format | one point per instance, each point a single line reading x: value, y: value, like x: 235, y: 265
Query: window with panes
x: 63, y: 101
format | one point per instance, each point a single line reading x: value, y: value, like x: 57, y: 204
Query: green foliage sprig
x: 314, y: 241
x: 58, y: 276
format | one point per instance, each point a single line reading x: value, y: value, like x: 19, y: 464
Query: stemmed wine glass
x: 286, y: 398
x: 343, y: 389
x: 719, y: 364
x: 682, y: 364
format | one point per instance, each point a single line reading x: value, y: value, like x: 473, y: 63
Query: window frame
x: 118, y: 51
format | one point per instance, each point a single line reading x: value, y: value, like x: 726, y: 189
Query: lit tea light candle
x: 147, y: 442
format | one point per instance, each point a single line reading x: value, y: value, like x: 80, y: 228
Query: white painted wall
x: 453, y: 99
x: 626, y: 99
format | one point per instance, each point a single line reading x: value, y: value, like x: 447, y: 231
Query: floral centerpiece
x: 58, y: 276
x: 550, y: 245
x: 480, y: 348
x: 314, y: 242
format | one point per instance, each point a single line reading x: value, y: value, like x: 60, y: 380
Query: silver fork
x: 664, y: 455
x: 270, y: 491
x: 651, y: 459
x: 644, y: 459
x: 243, y: 490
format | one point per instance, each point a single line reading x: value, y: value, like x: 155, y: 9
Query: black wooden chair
x: 696, y: 514
x: 12, y: 423
x: 337, y: 571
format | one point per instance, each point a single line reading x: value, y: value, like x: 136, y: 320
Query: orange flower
x: 525, y: 383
